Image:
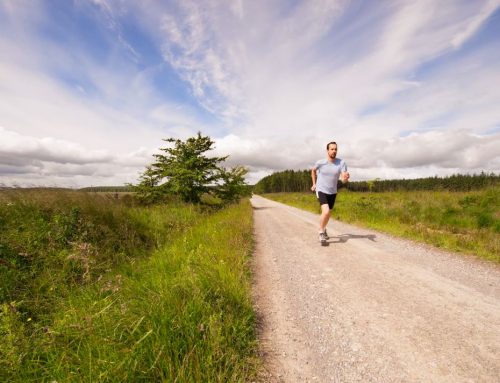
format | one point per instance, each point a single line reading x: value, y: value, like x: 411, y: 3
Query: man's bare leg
x: 324, y: 218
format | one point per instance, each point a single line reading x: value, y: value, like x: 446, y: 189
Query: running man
x: 327, y: 173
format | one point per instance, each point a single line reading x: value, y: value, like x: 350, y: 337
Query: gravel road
x: 369, y: 307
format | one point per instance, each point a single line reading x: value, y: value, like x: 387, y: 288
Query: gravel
x: 369, y: 307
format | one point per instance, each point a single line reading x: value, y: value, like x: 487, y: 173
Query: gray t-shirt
x: 328, y: 174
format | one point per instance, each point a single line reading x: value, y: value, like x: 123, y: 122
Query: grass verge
x: 181, y: 312
x: 467, y: 222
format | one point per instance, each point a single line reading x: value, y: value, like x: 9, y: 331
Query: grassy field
x: 98, y: 289
x: 467, y: 222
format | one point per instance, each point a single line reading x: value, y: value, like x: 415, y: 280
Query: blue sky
x: 89, y: 88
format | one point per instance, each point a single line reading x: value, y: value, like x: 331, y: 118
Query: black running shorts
x: 327, y: 199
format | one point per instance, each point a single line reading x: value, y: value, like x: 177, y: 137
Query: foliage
x: 53, y: 237
x: 300, y: 181
x: 456, y: 183
x: 233, y: 185
x: 53, y: 242
x: 285, y: 181
x: 177, y: 310
x: 148, y: 189
x: 185, y: 171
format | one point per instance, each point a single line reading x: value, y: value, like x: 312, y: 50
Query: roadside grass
x: 467, y: 222
x: 175, y: 306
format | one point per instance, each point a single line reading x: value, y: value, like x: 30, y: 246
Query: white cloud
x: 458, y: 149
x: 39, y: 161
x: 47, y: 149
x: 191, y: 47
x: 474, y: 22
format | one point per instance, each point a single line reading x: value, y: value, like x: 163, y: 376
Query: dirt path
x: 369, y: 307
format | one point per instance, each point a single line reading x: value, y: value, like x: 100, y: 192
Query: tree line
x: 107, y: 189
x: 300, y: 181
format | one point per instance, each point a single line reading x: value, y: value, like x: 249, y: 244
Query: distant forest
x: 109, y: 189
x: 300, y: 181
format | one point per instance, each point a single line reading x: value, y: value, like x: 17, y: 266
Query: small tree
x: 186, y: 171
x: 233, y: 184
x: 147, y: 189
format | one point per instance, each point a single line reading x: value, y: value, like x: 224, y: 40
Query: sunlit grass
x: 177, y: 309
x: 467, y: 222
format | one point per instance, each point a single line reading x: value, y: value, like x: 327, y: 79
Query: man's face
x: 332, y: 151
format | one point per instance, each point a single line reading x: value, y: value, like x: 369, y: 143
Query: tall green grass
x: 174, y: 306
x: 467, y: 222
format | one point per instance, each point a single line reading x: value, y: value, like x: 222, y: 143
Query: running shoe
x: 326, y: 234
x: 322, y: 237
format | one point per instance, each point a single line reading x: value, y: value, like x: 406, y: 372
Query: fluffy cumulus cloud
x: 407, y: 89
x: 447, y: 150
x: 30, y: 161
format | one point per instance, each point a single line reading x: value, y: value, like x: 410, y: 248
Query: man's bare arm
x: 313, y: 177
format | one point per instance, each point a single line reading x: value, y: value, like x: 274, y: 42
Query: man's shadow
x: 343, y: 238
x: 261, y: 207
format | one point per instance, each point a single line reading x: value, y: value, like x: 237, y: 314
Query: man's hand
x: 344, y: 177
x: 313, y: 188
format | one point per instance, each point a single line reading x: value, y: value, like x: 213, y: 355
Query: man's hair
x: 328, y: 145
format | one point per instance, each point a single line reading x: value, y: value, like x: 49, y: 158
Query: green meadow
x: 466, y: 222
x: 100, y: 289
